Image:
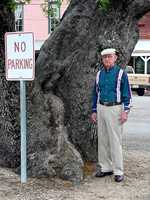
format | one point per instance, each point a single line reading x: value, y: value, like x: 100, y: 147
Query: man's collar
x: 109, y: 69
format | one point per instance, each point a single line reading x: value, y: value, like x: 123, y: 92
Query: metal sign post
x: 23, y: 131
x: 20, y: 65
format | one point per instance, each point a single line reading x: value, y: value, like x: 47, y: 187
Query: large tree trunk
x: 59, y: 102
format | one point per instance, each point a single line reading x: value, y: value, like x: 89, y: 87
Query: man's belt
x: 110, y: 103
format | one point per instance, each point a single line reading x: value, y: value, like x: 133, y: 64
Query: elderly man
x: 111, y: 105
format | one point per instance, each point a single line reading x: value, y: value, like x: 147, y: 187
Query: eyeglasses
x: 108, y: 56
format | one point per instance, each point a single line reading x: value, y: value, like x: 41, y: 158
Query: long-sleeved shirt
x: 112, y: 86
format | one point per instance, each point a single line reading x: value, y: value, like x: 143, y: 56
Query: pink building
x: 32, y: 18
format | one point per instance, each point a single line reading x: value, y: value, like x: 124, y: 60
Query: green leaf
x: 11, y: 4
x: 104, y: 4
x: 59, y: 2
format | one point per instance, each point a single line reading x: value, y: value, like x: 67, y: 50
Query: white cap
x: 108, y: 51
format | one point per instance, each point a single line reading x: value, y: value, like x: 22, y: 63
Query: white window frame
x: 145, y: 60
x: 19, y: 17
x: 53, y: 20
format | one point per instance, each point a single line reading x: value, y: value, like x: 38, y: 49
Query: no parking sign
x: 19, y: 56
x: 20, y: 66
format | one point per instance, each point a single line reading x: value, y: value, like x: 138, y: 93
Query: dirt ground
x: 136, y: 185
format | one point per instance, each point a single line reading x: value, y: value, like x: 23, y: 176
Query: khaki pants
x: 110, y: 131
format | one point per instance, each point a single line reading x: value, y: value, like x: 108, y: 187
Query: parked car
x: 138, y: 82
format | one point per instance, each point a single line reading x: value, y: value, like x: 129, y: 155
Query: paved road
x: 137, y: 129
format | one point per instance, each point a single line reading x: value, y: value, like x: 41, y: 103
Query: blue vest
x: 111, y: 86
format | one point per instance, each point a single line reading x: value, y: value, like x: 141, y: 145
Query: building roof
x: 142, y: 48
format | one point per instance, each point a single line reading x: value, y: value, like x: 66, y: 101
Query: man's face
x: 109, y: 60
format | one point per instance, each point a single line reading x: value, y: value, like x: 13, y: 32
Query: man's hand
x: 94, y: 117
x: 124, y: 117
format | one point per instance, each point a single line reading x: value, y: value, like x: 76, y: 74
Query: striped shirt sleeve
x: 125, y: 92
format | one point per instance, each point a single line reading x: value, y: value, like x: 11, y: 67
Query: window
x: 53, y: 15
x: 139, y: 65
x: 19, y: 17
x: 148, y: 66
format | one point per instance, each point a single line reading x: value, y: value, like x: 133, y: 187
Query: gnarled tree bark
x: 65, y: 68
